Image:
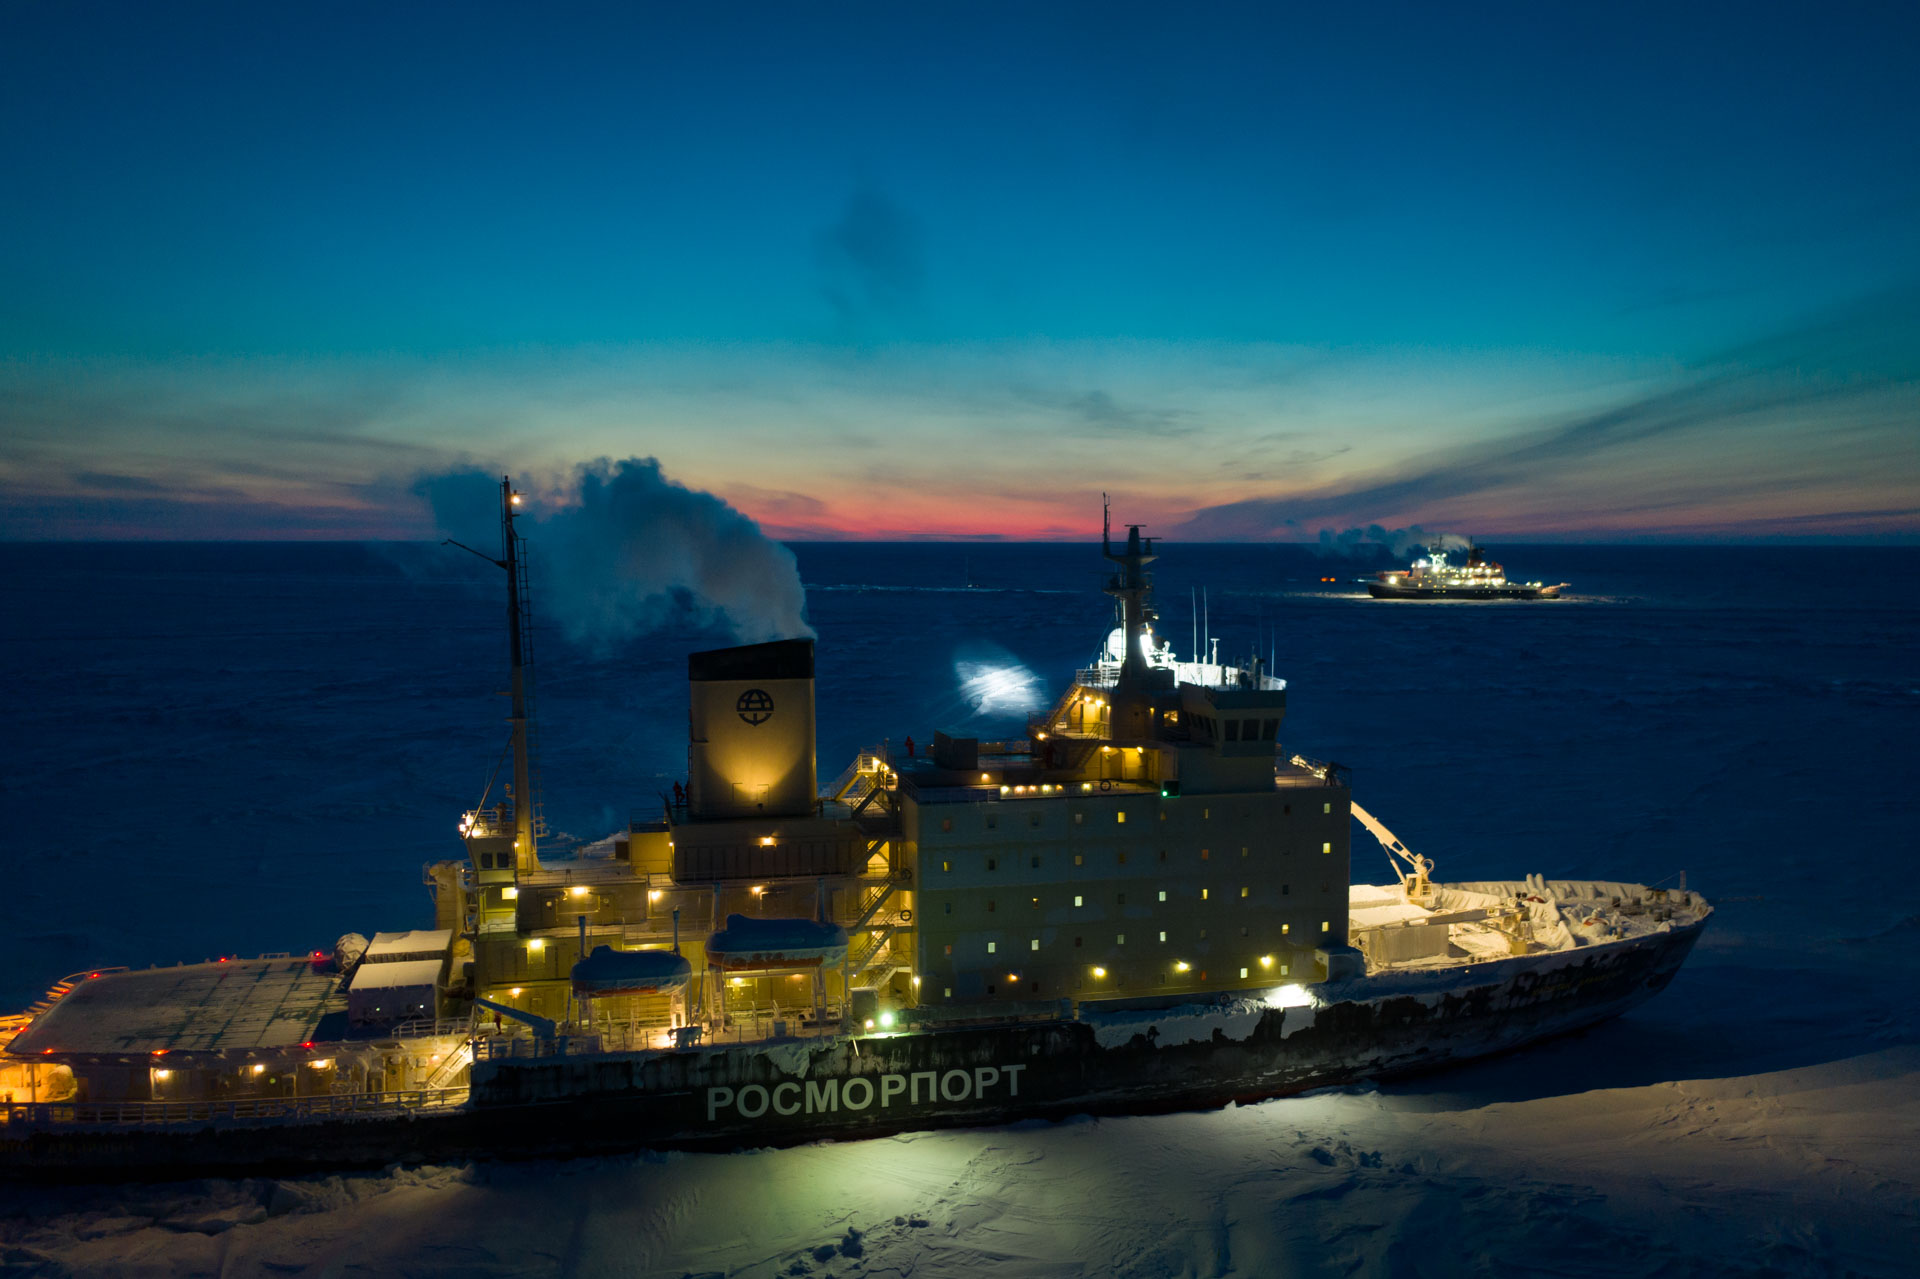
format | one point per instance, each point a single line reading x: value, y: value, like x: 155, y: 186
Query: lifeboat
x: 630, y: 972
x: 748, y: 944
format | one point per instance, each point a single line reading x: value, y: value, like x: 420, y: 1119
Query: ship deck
x: 226, y: 1006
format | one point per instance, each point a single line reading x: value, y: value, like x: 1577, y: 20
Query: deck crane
x: 1416, y: 882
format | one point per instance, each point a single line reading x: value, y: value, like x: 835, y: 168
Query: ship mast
x: 526, y: 808
x: 526, y: 854
x: 1133, y: 587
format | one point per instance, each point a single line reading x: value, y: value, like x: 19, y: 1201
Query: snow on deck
x: 216, y: 1007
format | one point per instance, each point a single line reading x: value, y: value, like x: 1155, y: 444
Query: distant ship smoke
x: 618, y: 549
x: 1399, y: 542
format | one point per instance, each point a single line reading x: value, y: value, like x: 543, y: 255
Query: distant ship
x: 1140, y: 903
x: 1478, y: 579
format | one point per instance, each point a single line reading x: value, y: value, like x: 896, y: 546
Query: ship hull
x: 1129, y: 1061
x: 1383, y: 591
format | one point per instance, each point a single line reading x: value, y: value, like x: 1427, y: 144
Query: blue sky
x: 1581, y: 272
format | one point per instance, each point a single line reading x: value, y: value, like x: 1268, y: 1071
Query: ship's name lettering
x: 830, y: 1096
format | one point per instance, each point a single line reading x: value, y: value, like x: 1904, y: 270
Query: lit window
x: 1326, y: 808
x: 1163, y: 894
x: 1285, y: 929
x: 946, y: 992
x: 1163, y: 936
x: 1119, y: 939
x: 1034, y: 944
x: 1245, y: 891
x: 1078, y: 900
x: 1079, y: 818
x: 1203, y: 894
x: 992, y: 946
x: 1078, y: 859
x: 1120, y: 817
x: 946, y: 823
x: 1243, y: 974
x: 1326, y: 925
x: 1243, y: 850
x: 1326, y: 848
x: 946, y: 866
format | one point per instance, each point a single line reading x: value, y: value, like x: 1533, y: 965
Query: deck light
x: 509, y: 893
x: 1004, y: 789
x: 654, y: 894
x: 259, y: 1068
x: 1181, y: 966
x: 163, y: 1074
x: 537, y: 944
x: 321, y: 1063
x: 886, y: 1021
x: 578, y: 890
x: 512, y: 994
x: 1099, y: 972
x: 766, y: 841
x: 869, y: 1023
x: 1266, y: 961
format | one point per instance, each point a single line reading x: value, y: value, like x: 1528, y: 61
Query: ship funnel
x: 751, y: 746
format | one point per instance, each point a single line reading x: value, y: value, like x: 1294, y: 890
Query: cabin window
x: 1120, y: 899
x: 1324, y: 887
x: 992, y: 946
x: 1203, y: 894
x: 1233, y: 730
x: 1036, y: 861
x: 1206, y: 814
x: 1243, y: 850
x: 949, y: 906
x: 1163, y: 854
x: 1123, y: 859
x: 990, y: 905
x: 989, y: 988
x: 1245, y: 891
x: 1326, y: 848
x: 1076, y: 941
x: 1284, y: 930
x: 993, y: 863
x: 1077, y: 899
x: 1326, y: 808
x: 1204, y: 854
x: 1078, y: 859
x: 1243, y: 974
x: 1286, y: 810
x: 1033, y: 820
x: 946, y: 867
x: 1119, y: 939
x: 993, y: 821
x: 1163, y: 936
x: 1269, y: 729
x: 946, y: 823
x: 949, y: 948
x: 1079, y: 819
x: 1243, y: 933
x: 1034, y: 944
x: 946, y: 992
x: 1163, y: 894
x: 1286, y: 889
x: 1120, y: 818
x: 1326, y: 925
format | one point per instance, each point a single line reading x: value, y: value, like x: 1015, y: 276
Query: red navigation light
x: 160, y: 1052
x: 223, y: 959
x: 308, y: 1044
x: 46, y: 1050
x: 91, y: 976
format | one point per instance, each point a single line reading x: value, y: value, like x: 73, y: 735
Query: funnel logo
x: 755, y: 706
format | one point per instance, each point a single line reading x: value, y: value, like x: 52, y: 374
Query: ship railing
x: 429, y: 1027
x: 241, y: 1110
x: 500, y: 1047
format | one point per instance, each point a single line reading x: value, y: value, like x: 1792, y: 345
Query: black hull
x: 1200, y: 1056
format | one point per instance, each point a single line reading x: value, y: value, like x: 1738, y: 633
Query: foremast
x: 526, y: 817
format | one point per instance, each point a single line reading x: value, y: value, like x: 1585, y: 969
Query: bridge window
x: 1233, y: 730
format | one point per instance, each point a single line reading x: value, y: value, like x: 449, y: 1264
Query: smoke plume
x: 618, y: 549
x: 1398, y: 542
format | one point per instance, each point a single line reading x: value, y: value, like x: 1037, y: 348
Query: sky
x: 1539, y: 272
